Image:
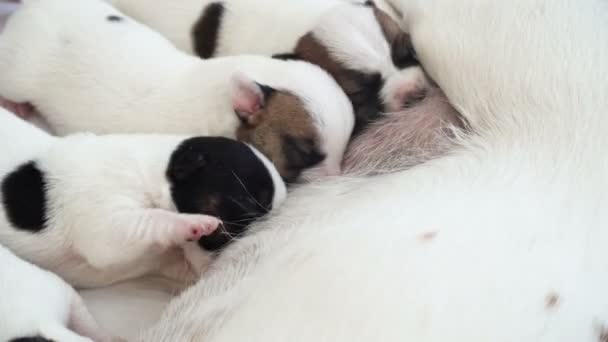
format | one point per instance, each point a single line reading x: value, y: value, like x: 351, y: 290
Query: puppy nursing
x: 359, y: 45
x: 98, y: 210
x: 101, y: 209
x: 103, y: 72
x: 404, y: 139
x: 503, y: 240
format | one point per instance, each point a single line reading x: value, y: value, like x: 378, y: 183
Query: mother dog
x: 503, y: 240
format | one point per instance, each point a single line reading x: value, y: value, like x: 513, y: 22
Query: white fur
x: 280, y: 190
x: 268, y: 27
x: 110, y: 212
x: 502, y: 240
x: 261, y: 27
x: 122, y: 77
x: 355, y: 39
x: 130, y: 306
x: 110, y: 215
x: 36, y: 302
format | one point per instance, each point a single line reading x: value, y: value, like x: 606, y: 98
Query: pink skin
x: 192, y: 227
x: 22, y: 110
x: 404, y: 138
x: 247, y: 97
x: 404, y: 91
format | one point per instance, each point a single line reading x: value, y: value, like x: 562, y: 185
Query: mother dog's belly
x: 411, y: 257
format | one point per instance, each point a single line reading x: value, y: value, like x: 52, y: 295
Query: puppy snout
x: 405, y: 89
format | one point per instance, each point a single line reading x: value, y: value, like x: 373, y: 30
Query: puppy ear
x: 390, y: 27
x: 185, y: 164
x: 248, y: 98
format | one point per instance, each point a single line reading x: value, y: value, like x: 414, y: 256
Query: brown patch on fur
x: 390, y: 28
x: 283, y: 116
x: 552, y: 300
x: 362, y: 89
x: 428, y: 236
x: 402, y: 50
x: 311, y: 50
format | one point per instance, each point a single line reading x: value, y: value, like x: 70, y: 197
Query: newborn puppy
x: 103, y: 72
x: 39, y: 306
x: 371, y: 58
x: 361, y: 46
x: 100, y: 209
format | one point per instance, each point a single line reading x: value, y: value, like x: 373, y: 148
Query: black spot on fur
x: 287, y: 56
x: 114, y: 18
x: 369, y: 3
x: 364, y: 93
x: 24, y: 197
x: 223, y: 178
x: 301, y: 153
x: 206, y: 31
x: 32, y: 339
x: 266, y: 90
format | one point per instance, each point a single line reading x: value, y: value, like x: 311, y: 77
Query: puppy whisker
x: 249, y: 193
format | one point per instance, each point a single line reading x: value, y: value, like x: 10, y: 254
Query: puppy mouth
x: 227, y: 232
x: 236, y: 215
x: 415, y: 98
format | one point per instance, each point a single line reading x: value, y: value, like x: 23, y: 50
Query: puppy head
x: 292, y: 126
x: 369, y: 55
x: 226, y: 179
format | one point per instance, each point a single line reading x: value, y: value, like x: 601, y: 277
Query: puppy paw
x: 193, y: 227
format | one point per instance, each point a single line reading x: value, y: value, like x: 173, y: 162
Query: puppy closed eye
x: 301, y: 153
x: 403, y: 53
x: 360, y: 87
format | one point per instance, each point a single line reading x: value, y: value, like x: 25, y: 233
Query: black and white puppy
x: 359, y: 44
x: 39, y: 306
x: 101, y: 209
x: 103, y: 72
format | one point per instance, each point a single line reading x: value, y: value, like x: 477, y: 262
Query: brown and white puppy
x: 359, y: 44
x: 103, y: 72
x: 371, y: 58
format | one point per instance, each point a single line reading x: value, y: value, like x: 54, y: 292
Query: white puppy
x: 100, y: 209
x: 106, y: 73
x: 360, y: 45
x: 39, y: 306
x: 503, y: 240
